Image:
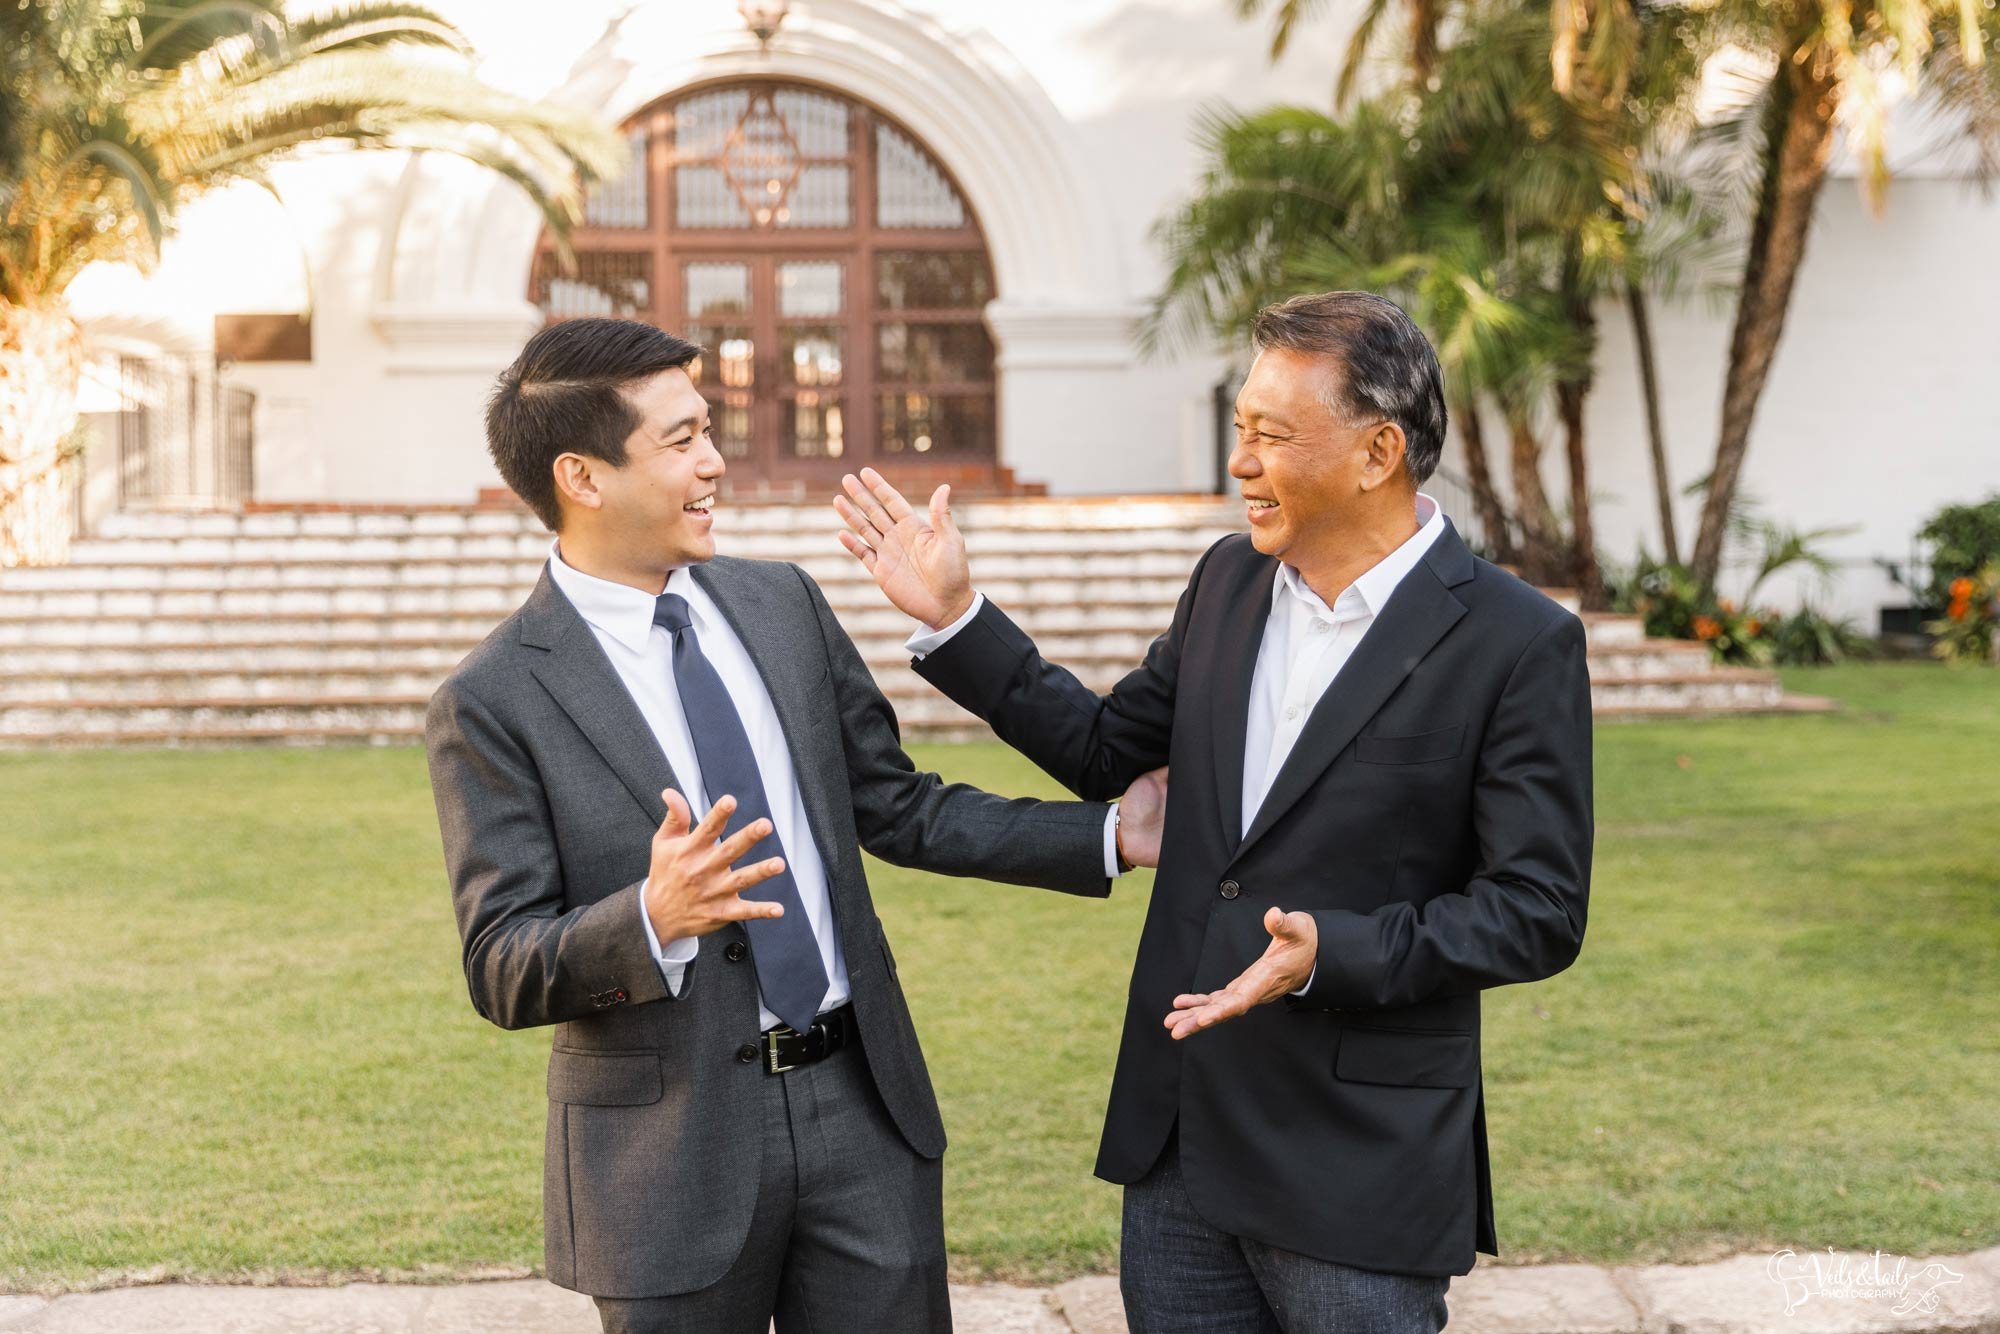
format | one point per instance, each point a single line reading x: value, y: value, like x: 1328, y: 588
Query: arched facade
x: 452, y: 286
x: 824, y: 258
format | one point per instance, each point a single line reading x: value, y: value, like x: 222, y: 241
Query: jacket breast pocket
x: 1425, y: 1059
x: 1416, y: 748
x: 604, y: 1078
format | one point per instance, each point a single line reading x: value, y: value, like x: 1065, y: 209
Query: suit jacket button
x: 747, y: 1053
x: 618, y: 995
x: 1230, y: 889
x: 736, y: 951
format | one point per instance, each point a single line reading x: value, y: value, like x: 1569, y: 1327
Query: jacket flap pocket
x: 1404, y: 1056
x: 1419, y: 748
x: 604, y: 1078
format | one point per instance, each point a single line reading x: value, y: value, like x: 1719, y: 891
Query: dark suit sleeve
x: 527, y: 961
x: 1092, y: 744
x: 1522, y: 916
x: 911, y: 818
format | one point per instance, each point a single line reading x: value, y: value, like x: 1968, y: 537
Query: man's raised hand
x: 1285, y: 966
x: 692, y: 891
x: 919, y: 565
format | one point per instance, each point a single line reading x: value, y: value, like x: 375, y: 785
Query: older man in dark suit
x: 1380, y: 806
x: 740, y: 1123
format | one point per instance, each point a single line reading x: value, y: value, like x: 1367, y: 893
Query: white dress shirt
x: 643, y: 655
x: 1305, y: 645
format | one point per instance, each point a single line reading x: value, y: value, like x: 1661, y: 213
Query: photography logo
x: 1909, y: 1288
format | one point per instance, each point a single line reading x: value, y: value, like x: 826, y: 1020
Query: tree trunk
x: 41, y: 361
x: 1540, y: 555
x: 1656, y: 436
x: 1571, y: 391
x: 1793, y: 175
x: 1479, y: 473
x: 1585, y: 575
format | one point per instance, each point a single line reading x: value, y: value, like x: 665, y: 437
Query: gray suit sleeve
x: 917, y: 819
x: 528, y: 961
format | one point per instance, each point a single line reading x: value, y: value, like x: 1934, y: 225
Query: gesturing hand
x: 1142, y: 818
x: 1285, y: 966
x: 692, y: 891
x: 920, y: 566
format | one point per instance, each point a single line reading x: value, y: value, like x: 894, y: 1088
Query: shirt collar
x: 619, y: 610
x: 1367, y: 595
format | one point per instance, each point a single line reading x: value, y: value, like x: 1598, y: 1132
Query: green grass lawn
x: 235, y: 1040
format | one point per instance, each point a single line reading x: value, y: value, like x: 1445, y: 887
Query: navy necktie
x: 790, y: 971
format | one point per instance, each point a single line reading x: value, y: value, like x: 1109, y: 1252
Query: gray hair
x: 1389, y: 368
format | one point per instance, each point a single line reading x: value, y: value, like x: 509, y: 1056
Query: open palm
x: 917, y: 561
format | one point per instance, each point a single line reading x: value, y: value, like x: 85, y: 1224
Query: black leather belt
x: 785, y: 1048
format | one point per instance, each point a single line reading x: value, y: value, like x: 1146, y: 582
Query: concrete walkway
x: 1842, y: 1293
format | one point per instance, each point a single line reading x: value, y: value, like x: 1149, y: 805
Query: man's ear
x: 1386, y: 448
x: 576, y: 481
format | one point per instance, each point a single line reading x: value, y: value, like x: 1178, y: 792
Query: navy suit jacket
x: 1434, y: 817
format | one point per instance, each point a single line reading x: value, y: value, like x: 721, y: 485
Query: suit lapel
x: 1417, y: 616
x: 585, y: 684
x: 1241, y: 637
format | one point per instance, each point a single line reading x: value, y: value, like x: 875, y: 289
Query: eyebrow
x: 689, y: 422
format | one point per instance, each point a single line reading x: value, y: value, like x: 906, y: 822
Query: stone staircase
x: 314, y: 625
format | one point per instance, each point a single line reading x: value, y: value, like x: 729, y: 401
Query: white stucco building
x: 927, y: 247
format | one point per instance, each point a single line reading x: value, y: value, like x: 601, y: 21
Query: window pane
x: 935, y: 352
x: 603, y: 284
x: 622, y: 202
x: 703, y: 197
x: 811, y: 356
x: 931, y: 280
x: 819, y: 199
x: 702, y: 123
x: 728, y: 358
x: 817, y: 121
x: 815, y: 426
x: 807, y: 291
x: 761, y: 161
x: 956, y: 424
x: 717, y: 289
x: 910, y: 189
x: 729, y: 415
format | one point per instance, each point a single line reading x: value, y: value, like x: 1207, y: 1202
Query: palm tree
x: 1831, y: 63
x: 1497, y: 211
x: 114, y: 113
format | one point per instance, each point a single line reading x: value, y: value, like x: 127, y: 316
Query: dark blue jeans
x: 1179, y: 1275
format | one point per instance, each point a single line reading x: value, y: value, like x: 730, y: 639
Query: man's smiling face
x: 659, y: 506
x: 1299, y: 468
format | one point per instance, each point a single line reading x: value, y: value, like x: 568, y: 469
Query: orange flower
x: 1727, y: 606
x: 1753, y: 627
x: 1707, y: 627
x: 1959, y: 607
x: 1961, y: 589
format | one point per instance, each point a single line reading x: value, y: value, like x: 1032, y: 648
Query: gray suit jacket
x: 548, y: 782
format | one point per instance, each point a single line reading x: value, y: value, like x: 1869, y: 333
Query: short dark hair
x: 561, y: 396
x: 1390, y: 369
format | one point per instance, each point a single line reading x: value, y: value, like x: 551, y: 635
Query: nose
x: 1243, y: 462
x: 711, y: 465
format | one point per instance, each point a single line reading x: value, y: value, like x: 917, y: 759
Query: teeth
x: 701, y: 506
x: 1263, y: 504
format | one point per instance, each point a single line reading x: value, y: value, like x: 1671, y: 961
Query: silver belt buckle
x: 771, y: 1050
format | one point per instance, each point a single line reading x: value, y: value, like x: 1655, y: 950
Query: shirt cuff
x: 925, y: 642
x: 672, y: 958
x: 1309, y: 981
x: 1111, y: 871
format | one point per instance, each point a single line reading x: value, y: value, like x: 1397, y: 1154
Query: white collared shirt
x: 1305, y: 645
x: 621, y: 617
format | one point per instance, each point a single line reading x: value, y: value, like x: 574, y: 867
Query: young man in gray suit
x: 740, y: 1122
